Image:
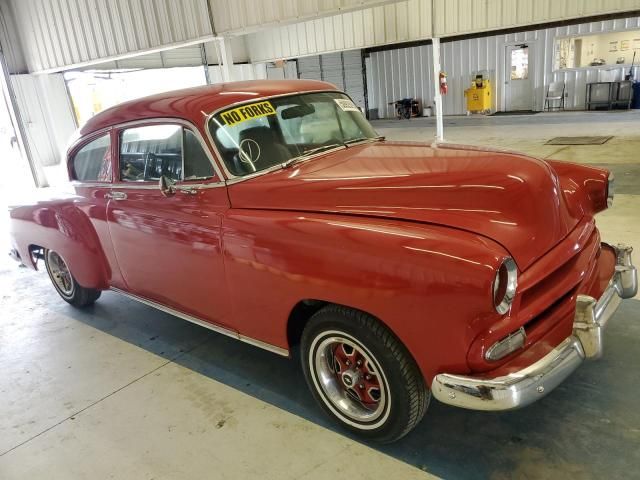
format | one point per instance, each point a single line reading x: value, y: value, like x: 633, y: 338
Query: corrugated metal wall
x: 61, y: 33
x: 236, y: 16
x: 46, y: 113
x: 398, y: 22
x: 456, y: 17
x: 407, y: 72
x: 410, y: 20
x: 239, y: 72
x: 11, y: 49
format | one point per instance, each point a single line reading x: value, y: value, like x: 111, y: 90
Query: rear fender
x: 65, y: 228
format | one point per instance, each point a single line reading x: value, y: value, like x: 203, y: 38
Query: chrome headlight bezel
x: 505, y: 285
x: 610, y: 189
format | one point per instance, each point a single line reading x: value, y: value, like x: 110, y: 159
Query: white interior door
x: 519, y: 89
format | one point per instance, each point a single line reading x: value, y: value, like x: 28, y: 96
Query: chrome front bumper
x: 525, y: 386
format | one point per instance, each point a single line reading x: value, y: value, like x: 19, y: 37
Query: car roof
x: 195, y: 104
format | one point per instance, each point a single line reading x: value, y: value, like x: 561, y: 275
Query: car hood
x: 512, y: 199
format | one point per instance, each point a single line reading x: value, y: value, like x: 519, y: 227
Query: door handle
x: 116, y: 195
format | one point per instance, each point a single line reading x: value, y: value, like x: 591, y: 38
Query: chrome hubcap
x: 60, y: 273
x: 350, y: 379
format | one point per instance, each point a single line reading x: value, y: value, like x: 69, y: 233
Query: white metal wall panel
x: 239, y: 72
x: 47, y: 115
x: 409, y: 20
x: 64, y: 33
x: 238, y: 51
x: 401, y: 21
x: 457, y: 17
x: 406, y: 72
x: 182, y: 57
x: 240, y: 16
x: 189, y: 56
x: 12, y: 50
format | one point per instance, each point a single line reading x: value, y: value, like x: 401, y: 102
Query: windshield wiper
x: 362, y: 139
x: 308, y: 153
x: 356, y: 140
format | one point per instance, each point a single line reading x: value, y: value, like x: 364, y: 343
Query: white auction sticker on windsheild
x: 346, y: 105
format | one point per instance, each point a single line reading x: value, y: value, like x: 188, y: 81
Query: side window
x: 92, y: 163
x: 196, y: 161
x: 147, y: 153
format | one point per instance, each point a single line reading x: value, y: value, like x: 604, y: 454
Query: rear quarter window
x: 92, y: 163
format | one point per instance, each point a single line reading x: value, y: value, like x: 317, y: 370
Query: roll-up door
x: 343, y: 69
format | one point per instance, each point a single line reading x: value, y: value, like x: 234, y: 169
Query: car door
x: 168, y: 245
x: 90, y: 165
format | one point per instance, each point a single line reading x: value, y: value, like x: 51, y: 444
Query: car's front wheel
x: 64, y: 282
x: 362, y: 375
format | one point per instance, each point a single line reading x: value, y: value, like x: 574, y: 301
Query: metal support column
x: 437, y: 98
x: 225, y: 57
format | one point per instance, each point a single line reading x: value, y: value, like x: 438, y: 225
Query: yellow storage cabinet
x: 479, y: 96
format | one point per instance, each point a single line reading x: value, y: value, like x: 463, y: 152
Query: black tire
x: 402, y: 394
x: 72, y: 293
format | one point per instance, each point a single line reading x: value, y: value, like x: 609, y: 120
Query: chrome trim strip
x: 520, y: 388
x: 78, y: 183
x: 203, y: 323
x: 154, y: 186
x: 181, y: 121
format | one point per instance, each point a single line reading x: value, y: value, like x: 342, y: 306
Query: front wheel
x: 362, y: 375
x: 64, y: 282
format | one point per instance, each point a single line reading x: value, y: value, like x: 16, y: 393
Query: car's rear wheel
x: 64, y: 282
x: 362, y: 375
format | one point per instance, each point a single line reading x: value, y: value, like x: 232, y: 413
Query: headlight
x: 504, y: 285
x: 610, y: 190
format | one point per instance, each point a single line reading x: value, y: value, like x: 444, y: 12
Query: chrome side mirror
x: 167, y: 186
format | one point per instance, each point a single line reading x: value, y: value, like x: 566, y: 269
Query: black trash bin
x: 635, y: 103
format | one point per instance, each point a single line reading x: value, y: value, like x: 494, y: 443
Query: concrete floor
x: 123, y: 391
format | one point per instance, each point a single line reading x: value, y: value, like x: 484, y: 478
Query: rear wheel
x: 362, y: 375
x: 64, y: 282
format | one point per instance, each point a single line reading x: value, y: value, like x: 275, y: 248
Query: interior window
x: 196, y: 162
x: 93, y: 161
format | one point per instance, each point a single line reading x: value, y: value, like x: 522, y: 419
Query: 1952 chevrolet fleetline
x: 272, y: 212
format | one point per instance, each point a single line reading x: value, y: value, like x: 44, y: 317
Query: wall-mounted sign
x: 624, y: 45
x: 613, y: 46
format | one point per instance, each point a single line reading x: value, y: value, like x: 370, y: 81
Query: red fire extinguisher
x: 444, y: 88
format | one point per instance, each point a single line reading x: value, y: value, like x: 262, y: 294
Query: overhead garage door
x: 332, y: 70
x: 309, y: 68
x: 343, y: 69
x: 353, y: 76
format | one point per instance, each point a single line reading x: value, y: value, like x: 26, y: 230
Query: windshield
x: 259, y: 135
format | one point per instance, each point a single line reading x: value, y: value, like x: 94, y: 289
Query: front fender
x: 584, y: 187
x: 430, y: 285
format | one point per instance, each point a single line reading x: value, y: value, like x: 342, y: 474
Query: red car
x: 272, y: 212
